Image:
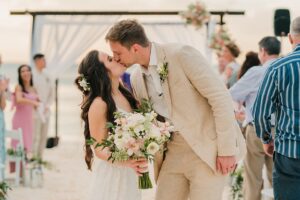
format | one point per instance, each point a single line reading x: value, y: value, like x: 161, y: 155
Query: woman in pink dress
x: 25, y: 101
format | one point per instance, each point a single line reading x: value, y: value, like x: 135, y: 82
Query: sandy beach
x: 69, y: 179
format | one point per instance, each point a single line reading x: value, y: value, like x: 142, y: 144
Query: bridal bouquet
x: 134, y: 136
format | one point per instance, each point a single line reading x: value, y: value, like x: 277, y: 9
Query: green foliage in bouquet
x: 4, y: 187
x: 145, y: 107
x: 105, y: 143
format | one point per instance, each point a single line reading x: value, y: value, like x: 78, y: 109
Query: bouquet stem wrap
x: 145, y: 181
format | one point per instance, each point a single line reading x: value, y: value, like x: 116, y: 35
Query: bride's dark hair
x: 96, y: 75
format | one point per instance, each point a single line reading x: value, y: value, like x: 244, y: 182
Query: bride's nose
x: 117, y: 59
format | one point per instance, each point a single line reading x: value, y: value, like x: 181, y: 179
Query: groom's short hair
x: 128, y: 32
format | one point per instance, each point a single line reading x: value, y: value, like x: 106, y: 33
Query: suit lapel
x: 161, y: 57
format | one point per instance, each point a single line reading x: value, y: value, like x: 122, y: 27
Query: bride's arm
x: 97, y: 125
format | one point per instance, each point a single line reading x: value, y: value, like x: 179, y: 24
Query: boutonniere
x: 162, y: 70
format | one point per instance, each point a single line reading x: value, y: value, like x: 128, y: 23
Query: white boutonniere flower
x: 163, y: 71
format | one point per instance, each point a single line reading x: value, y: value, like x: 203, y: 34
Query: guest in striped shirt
x: 279, y: 93
x: 245, y: 91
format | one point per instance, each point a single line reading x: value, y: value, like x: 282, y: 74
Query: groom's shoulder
x: 172, y: 46
x: 178, y: 48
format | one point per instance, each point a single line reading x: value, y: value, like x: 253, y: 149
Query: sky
x: 247, y: 30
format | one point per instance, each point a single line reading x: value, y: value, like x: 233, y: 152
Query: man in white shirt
x: 43, y: 85
x: 245, y: 92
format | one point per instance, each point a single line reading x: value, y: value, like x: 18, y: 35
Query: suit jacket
x: 199, y: 104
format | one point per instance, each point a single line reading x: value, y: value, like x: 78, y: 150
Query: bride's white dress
x: 111, y: 182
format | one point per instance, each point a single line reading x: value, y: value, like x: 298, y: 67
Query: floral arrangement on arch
x: 219, y: 39
x: 196, y: 15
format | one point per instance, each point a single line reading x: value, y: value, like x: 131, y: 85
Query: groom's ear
x: 135, y: 47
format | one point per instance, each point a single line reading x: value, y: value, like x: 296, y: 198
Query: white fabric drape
x: 63, y: 38
x: 210, y: 32
x: 176, y: 33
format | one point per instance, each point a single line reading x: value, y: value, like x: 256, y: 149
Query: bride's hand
x: 139, y: 166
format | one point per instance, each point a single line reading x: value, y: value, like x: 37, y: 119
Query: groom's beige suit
x: 201, y: 110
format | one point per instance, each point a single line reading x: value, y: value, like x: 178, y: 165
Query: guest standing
x: 25, y: 100
x: 250, y: 61
x: 125, y: 80
x: 229, y: 53
x: 3, y: 88
x: 279, y: 93
x: 45, y: 91
x: 245, y: 91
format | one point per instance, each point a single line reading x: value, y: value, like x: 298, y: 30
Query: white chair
x: 18, y: 160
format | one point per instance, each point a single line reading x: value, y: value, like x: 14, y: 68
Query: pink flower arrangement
x: 219, y: 39
x: 196, y: 15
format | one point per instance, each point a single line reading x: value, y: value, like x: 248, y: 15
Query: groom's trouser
x: 184, y: 175
x: 254, y: 161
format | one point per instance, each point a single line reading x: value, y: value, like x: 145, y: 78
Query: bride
x: 103, y: 95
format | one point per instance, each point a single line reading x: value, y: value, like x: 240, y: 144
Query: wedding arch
x: 63, y: 36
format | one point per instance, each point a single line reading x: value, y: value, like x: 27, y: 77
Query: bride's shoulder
x: 98, y: 104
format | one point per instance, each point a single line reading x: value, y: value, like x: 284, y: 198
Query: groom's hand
x: 226, y: 164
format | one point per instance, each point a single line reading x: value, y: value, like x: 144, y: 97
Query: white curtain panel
x: 63, y: 38
x: 176, y: 33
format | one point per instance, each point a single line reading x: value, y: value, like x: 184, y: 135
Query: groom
x: 183, y: 89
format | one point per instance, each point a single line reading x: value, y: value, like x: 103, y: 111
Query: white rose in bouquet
x: 155, y: 132
x: 152, y: 148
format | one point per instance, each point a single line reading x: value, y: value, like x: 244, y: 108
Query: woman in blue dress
x: 3, y: 87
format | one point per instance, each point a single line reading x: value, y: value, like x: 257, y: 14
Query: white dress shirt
x: 153, y: 85
x: 44, y: 87
x: 246, y: 88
